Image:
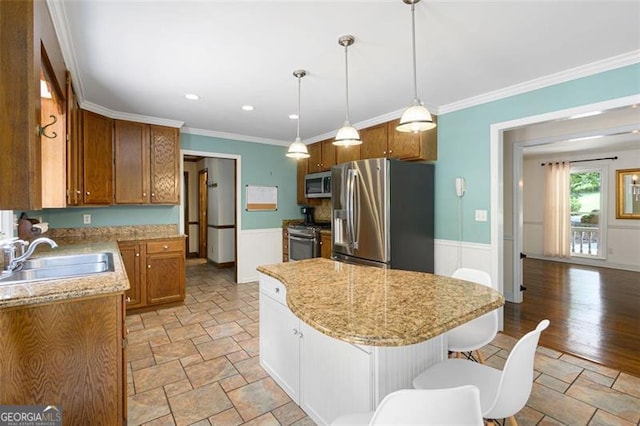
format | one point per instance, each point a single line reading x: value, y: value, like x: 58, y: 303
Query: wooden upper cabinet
x: 165, y: 165
x: 28, y: 42
x: 374, y: 141
x: 314, y: 162
x: 300, y: 174
x: 97, y: 159
x: 347, y: 153
x: 412, y: 146
x: 322, y: 156
x: 147, y: 164
x: 131, y: 146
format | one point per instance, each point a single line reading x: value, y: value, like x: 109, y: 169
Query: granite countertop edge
x: 297, y: 305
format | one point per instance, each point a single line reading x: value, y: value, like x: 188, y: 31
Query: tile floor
x: 197, y: 364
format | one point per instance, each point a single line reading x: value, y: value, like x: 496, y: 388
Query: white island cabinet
x: 328, y: 377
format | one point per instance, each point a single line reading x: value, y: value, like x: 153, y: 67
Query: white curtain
x: 557, y: 220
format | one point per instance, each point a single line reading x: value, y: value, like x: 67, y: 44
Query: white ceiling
x: 141, y: 56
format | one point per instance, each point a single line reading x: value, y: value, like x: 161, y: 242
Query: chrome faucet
x: 11, y: 261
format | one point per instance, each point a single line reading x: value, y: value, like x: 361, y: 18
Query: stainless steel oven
x: 304, y: 242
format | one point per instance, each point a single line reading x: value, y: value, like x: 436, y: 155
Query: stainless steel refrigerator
x: 382, y: 213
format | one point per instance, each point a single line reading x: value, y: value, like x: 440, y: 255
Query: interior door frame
x: 203, y: 214
x: 497, y: 177
x: 238, y: 197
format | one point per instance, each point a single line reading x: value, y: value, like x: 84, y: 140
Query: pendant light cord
x: 346, y: 79
x: 413, y: 34
x: 299, y: 85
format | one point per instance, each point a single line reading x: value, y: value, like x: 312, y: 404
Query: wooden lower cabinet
x: 325, y: 245
x: 71, y: 354
x: 156, y: 271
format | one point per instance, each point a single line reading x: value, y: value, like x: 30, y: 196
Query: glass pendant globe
x: 298, y: 150
x: 347, y: 136
x: 416, y: 119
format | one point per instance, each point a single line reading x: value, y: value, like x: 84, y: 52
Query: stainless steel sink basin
x: 58, y: 267
x: 78, y: 259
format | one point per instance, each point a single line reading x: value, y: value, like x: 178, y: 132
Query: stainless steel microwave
x: 317, y: 185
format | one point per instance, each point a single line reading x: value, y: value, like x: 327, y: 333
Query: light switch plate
x: 481, y: 215
x: 86, y: 219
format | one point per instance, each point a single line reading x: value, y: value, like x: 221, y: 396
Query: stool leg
x: 512, y: 421
x: 480, y: 358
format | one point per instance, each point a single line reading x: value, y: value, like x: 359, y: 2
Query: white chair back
x: 453, y: 406
x: 474, y: 275
x: 517, y: 376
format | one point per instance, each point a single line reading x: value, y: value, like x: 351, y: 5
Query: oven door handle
x: 291, y: 237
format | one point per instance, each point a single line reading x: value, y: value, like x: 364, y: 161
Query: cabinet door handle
x: 295, y: 331
x: 148, y: 266
x: 144, y: 194
x: 165, y: 247
x: 128, y: 299
x: 88, y: 193
x: 277, y: 289
x: 137, y: 254
x: 153, y: 194
x: 78, y: 192
x: 300, y: 334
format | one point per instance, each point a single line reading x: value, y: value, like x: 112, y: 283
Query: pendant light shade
x: 416, y: 118
x: 298, y: 149
x: 347, y: 135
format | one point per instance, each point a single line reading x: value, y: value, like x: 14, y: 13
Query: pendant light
x: 416, y: 118
x: 298, y: 149
x: 347, y: 135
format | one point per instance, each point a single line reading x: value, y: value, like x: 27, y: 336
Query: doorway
x: 212, y: 212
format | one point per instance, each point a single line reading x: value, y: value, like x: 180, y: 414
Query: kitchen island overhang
x: 379, y: 307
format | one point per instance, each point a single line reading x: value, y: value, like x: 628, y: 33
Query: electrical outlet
x: 86, y: 219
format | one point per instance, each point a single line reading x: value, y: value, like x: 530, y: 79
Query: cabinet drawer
x: 165, y: 246
x: 273, y: 288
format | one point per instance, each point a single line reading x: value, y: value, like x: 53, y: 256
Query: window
x: 587, y: 199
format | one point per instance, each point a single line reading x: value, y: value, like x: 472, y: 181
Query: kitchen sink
x: 58, y: 267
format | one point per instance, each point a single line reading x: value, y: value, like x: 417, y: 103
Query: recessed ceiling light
x: 293, y: 116
x: 248, y: 107
x: 192, y: 97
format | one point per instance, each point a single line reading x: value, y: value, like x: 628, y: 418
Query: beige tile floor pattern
x: 198, y: 364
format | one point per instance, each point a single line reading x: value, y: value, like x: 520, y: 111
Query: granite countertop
x: 379, y: 307
x: 36, y: 292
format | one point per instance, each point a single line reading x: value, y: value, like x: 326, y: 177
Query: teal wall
x: 464, y: 140
x: 263, y: 165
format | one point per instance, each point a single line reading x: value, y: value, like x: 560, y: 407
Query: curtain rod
x: 582, y: 161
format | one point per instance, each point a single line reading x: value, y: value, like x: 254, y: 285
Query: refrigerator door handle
x: 351, y: 205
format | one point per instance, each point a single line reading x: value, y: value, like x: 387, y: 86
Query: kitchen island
x: 339, y: 337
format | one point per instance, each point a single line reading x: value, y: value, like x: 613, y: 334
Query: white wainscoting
x: 257, y: 247
x: 472, y: 255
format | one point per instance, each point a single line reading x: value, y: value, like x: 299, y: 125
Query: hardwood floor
x: 594, y: 312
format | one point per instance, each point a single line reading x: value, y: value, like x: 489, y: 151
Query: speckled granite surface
x: 379, y: 307
x: 113, y: 233
x: 36, y: 292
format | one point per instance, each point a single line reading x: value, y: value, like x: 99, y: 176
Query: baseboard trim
x: 587, y: 262
x: 221, y: 265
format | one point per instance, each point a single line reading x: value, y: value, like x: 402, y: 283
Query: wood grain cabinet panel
x: 97, y: 159
x: 322, y: 156
x: 325, y: 245
x: 165, y: 281
x: 165, y: 166
x: 411, y: 146
x: 74, y: 137
x: 70, y: 353
x: 347, y: 153
x: 131, y: 253
x: 374, y: 142
x: 131, y: 146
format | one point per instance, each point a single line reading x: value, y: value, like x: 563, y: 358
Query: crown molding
x: 90, y: 106
x: 233, y: 136
x: 61, y: 25
x: 608, y: 64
